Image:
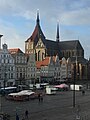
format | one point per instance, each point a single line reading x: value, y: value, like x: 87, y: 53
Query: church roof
x: 70, y: 45
x: 53, y: 47
x: 79, y: 59
x: 51, y: 44
x: 37, y: 33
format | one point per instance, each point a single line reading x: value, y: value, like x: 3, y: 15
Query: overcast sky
x: 18, y: 19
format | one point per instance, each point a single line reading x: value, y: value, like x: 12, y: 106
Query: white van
x: 77, y: 87
x: 50, y: 90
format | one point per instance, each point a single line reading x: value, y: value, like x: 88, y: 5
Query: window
x: 11, y: 75
x: 4, y: 56
x: 11, y: 68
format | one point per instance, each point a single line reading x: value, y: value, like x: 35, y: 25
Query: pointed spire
x: 57, y: 37
x: 38, y: 17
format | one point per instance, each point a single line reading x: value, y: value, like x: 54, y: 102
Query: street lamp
x: 74, y: 81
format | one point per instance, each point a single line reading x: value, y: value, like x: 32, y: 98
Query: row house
x: 31, y: 69
x: 20, y: 65
x: 65, y: 66
x: 48, y: 69
x: 52, y: 69
x: 19, y: 68
x: 7, y: 67
x: 25, y: 67
x: 43, y: 47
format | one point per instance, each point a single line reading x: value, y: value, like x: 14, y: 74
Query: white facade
x: 57, y: 72
x: 20, y: 65
x: 48, y: 69
x: 31, y: 68
x: 65, y: 68
x: 7, y: 68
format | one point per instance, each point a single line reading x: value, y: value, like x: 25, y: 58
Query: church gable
x: 40, y: 44
x: 79, y: 46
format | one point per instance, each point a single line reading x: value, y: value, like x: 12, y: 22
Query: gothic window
x: 38, y: 55
x: 42, y: 56
x: 45, y: 52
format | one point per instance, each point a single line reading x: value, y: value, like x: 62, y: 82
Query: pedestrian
x: 23, y: 119
x: 26, y: 114
x: 39, y: 97
x: 83, y: 92
x: 17, y: 117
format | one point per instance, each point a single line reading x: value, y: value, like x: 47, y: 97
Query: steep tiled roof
x: 37, y: 33
x: 38, y: 64
x: 45, y: 62
x: 15, y: 50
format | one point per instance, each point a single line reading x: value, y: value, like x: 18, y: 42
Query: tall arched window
x: 39, y: 56
x: 43, y: 55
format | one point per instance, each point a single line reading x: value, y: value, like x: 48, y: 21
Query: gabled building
x: 48, y: 69
x: 31, y: 69
x: 7, y: 67
x: 20, y: 64
x: 66, y: 68
x: 42, y: 48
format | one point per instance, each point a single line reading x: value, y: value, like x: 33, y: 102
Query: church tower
x: 32, y: 41
x: 37, y: 20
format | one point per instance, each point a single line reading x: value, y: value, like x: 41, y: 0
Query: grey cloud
x: 68, y: 11
x: 76, y: 17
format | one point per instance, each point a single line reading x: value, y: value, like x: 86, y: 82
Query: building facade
x: 48, y: 69
x: 42, y: 48
x: 31, y: 69
x: 20, y: 65
x: 7, y: 67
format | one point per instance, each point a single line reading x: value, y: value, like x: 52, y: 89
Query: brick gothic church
x: 42, y: 47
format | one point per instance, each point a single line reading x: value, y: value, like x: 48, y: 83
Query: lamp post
x: 0, y: 104
x: 74, y: 81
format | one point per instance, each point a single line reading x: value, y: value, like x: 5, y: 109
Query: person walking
x: 26, y: 114
x: 83, y: 92
x: 39, y: 97
x: 17, y: 117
